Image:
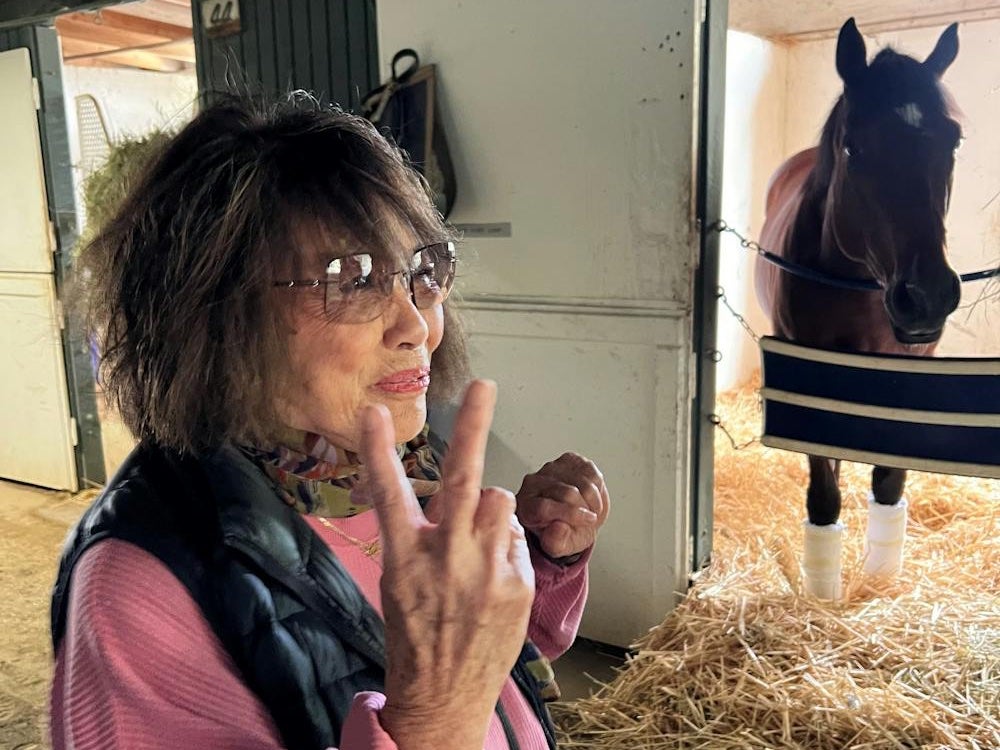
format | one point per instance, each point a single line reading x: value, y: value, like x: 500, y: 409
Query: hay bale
x: 747, y: 661
x: 105, y: 188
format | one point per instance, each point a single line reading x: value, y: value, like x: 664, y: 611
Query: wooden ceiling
x: 803, y: 20
x: 149, y: 35
x: 156, y: 34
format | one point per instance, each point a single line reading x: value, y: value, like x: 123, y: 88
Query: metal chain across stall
x: 868, y: 285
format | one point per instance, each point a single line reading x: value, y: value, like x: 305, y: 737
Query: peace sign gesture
x: 456, y: 594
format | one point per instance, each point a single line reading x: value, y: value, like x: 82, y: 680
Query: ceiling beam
x: 179, y: 50
x: 75, y: 50
x: 82, y: 26
x: 176, y: 50
x: 113, y: 19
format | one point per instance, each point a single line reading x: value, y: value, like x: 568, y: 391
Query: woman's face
x: 339, y: 368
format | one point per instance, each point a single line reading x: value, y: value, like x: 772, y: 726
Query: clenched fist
x: 564, y: 504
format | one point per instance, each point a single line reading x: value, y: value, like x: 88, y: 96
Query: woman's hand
x: 564, y: 504
x: 456, y: 594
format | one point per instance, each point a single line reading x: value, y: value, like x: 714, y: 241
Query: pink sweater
x: 140, y: 668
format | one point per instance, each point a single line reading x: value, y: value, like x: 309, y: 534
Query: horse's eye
x: 851, y: 150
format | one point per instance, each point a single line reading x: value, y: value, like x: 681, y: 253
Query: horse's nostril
x: 907, y: 300
x: 913, y: 305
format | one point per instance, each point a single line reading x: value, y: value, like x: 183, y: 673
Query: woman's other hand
x: 564, y: 504
x: 456, y: 594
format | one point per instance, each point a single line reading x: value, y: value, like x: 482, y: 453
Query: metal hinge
x: 74, y: 431
x: 53, y: 241
x: 60, y: 315
x: 37, y: 93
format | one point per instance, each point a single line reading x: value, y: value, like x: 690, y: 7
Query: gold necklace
x: 371, y: 548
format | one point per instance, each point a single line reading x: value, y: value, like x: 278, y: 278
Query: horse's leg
x: 886, y: 522
x: 823, y: 530
x: 887, y: 485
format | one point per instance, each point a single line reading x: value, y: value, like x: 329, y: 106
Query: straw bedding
x: 747, y: 661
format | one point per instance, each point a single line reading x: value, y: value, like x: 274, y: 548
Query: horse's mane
x: 892, y: 80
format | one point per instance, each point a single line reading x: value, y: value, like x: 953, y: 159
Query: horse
x: 868, y: 203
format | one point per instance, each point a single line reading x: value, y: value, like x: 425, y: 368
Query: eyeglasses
x: 357, y: 290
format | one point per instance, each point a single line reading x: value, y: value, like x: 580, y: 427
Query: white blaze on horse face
x: 911, y: 114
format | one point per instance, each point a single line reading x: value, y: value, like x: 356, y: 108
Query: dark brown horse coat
x: 868, y: 203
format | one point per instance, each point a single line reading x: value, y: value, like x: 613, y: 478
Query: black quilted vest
x: 299, y: 630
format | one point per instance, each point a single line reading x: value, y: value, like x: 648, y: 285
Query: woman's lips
x: 406, y: 381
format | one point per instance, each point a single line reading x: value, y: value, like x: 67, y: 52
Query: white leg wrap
x: 886, y: 534
x: 821, y: 560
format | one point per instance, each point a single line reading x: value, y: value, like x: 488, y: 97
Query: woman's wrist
x: 446, y: 728
x: 563, y: 562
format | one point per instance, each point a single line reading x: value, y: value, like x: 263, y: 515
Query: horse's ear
x: 852, y: 58
x: 944, y: 53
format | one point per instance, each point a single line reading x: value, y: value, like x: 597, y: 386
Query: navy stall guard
x: 928, y: 414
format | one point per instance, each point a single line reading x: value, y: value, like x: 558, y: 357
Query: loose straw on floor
x: 747, y: 661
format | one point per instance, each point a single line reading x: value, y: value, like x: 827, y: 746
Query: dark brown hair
x: 179, y: 283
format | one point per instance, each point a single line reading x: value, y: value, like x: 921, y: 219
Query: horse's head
x: 892, y: 142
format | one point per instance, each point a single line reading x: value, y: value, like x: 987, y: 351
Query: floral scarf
x: 318, y: 478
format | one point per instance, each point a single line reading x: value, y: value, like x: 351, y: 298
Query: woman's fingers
x: 398, y: 511
x: 518, y: 554
x: 493, y: 520
x: 568, y: 479
x: 557, y: 538
x: 542, y: 511
x: 574, y: 469
x: 462, y: 473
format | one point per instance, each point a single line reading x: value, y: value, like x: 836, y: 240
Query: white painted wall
x: 974, y: 218
x: 133, y: 103
x: 756, y: 70
x: 575, y: 122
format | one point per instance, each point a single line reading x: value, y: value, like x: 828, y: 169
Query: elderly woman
x: 281, y: 562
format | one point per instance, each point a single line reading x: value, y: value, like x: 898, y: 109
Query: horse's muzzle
x: 916, y: 337
x: 918, y: 310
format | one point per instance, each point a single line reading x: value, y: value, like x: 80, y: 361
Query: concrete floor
x: 33, y: 526
x: 581, y: 670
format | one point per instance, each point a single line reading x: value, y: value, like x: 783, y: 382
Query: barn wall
x: 974, y: 219
x: 754, y: 147
x: 326, y: 47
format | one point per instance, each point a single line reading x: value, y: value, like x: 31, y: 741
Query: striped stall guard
x: 929, y: 414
